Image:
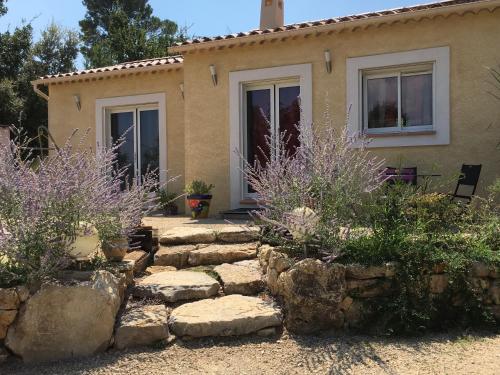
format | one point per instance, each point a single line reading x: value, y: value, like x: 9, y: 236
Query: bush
x: 198, y: 188
x: 45, y: 201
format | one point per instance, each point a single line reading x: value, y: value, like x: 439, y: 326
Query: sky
x: 204, y: 17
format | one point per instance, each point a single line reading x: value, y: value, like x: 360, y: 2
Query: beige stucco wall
x: 475, y: 115
x: 64, y: 116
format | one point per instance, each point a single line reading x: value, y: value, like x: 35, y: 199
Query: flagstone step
x: 201, y: 235
x: 218, y: 254
x: 226, y: 316
x: 143, y: 325
x: 173, y: 286
x: 241, y: 277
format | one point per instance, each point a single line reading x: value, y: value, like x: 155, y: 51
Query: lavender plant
x: 43, y: 203
x: 314, y: 192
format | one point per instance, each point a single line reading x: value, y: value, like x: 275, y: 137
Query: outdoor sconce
x: 213, y: 73
x: 77, y: 102
x: 181, y: 87
x: 328, y: 61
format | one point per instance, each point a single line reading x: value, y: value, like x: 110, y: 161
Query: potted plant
x: 167, y: 203
x: 113, y: 239
x: 198, y: 197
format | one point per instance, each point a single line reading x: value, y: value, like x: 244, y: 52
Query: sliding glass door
x: 270, y: 110
x: 140, y: 151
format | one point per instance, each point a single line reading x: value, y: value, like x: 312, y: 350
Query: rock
x: 263, y: 254
x: 279, y: 261
x: 238, y: 234
x: 125, y: 268
x: 151, y: 270
x: 23, y: 293
x: 142, y: 326
x: 140, y: 259
x: 356, y: 271
x: 272, y: 281
x: 438, y: 283
x: 369, y: 288
x: 479, y: 269
x: 313, y: 292
x: 4, y: 355
x: 177, y: 286
x: 9, y: 300
x: 240, y: 278
x: 186, y: 235
x: 227, y: 316
x: 346, y: 303
x: 354, y: 316
x: 174, y: 256
x: 6, y: 319
x: 219, y: 254
x: 267, y: 332
x: 61, y: 322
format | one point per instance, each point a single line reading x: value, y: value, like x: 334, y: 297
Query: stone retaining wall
x: 318, y: 296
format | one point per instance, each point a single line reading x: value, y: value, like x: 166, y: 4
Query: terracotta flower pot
x: 199, y: 205
x: 115, y: 250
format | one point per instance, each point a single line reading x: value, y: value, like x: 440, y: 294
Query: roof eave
x: 417, y: 15
x: 101, y: 75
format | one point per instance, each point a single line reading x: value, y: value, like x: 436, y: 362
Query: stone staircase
x: 209, y: 281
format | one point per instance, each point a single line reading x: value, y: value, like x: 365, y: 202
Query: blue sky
x: 206, y: 18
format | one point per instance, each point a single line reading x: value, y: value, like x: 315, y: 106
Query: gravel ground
x: 438, y: 354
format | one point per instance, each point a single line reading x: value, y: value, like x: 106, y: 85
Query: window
x: 270, y: 109
x: 398, y: 100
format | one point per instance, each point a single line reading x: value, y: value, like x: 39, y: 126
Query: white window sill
x: 399, y: 134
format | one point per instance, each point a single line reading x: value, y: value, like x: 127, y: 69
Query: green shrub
x: 198, y: 187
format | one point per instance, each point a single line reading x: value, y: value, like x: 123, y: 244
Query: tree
x: 114, y: 31
x: 3, y: 8
x: 22, y: 61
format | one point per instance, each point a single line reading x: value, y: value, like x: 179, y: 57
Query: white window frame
x: 360, y: 67
x: 107, y: 105
x: 301, y: 73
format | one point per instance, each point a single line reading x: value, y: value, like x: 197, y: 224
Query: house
x: 414, y: 79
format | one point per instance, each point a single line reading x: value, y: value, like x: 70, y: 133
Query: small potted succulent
x: 167, y: 203
x: 198, y: 197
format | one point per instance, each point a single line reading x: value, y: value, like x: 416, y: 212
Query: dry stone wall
x: 318, y: 296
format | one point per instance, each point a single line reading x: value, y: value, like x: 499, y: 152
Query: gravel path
x: 438, y: 354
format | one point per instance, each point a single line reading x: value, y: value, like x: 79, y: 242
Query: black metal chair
x: 469, y: 177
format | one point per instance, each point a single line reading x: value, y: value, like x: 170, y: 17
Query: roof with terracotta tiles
x: 330, y: 21
x: 121, y: 67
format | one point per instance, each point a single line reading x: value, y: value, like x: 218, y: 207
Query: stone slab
x: 140, y: 259
x: 219, y: 254
x: 187, y: 235
x: 227, y: 316
x: 151, y: 270
x: 174, y: 256
x: 177, y: 286
x: 241, y: 278
x: 238, y: 234
x: 142, y: 326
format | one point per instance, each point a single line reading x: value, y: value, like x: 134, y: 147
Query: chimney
x: 272, y: 14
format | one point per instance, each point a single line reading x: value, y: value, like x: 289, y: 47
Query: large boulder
x: 177, y: 286
x: 61, y: 321
x: 313, y: 292
x: 219, y: 254
x: 142, y: 326
x: 235, y: 234
x: 241, y: 277
x: 6, y: 319
x: 9, y: 299
x: 187, y: 235
x: 174, y: 256
x: 226, y: 316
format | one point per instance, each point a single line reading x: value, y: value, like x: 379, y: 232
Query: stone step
x: 226, y: 316
x: 177, y: 286
x: 201, y: 235
x: 184, y: 256
x: 218, y: 254
x: 241, y: 277
x: 140, y: 326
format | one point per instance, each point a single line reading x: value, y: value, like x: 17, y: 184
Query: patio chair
x: 407, y: 175
x: 469, y: 177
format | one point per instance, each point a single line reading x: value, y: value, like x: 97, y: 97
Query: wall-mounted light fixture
x: 328, y: 61
x: 213, y: 73
x: 77, y: 102
x: 181, y: 87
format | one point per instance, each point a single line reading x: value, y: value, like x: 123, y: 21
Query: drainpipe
x: 39, y: 92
